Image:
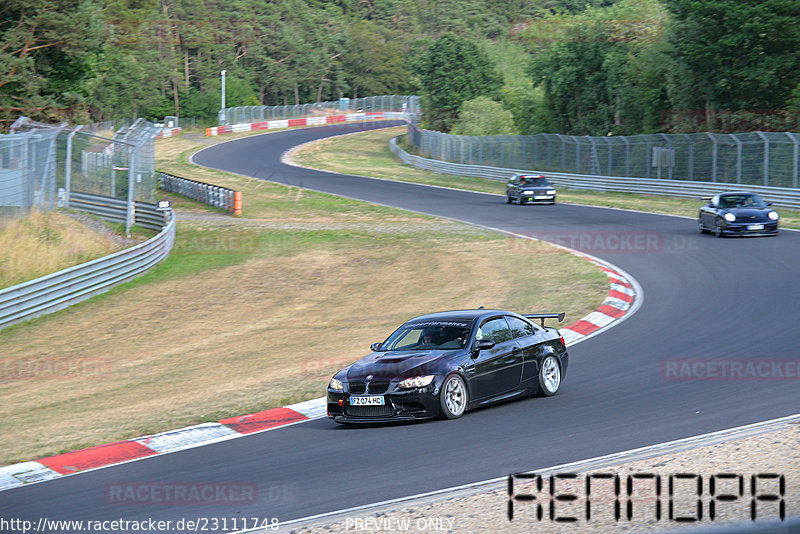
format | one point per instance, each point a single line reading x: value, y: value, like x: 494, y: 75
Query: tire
x: 508, y: 199
x: 549, y: 377
x: 453, y: 397
x: 718, y: 231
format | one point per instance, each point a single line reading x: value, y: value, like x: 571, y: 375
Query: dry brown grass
x: 45, y: 242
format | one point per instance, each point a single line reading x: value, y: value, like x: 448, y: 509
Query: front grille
x: 358, y: 387
x: 378, y: 386
x: 370, y: 411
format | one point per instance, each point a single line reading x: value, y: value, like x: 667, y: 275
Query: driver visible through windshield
x: 429, y: 335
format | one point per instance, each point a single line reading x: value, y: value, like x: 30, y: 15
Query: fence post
x: 766, y: 157
x: 794, y: 162
x: 68, y: 165
x: 713, y: 157
x: 627, y: 155
x: 738, y: 159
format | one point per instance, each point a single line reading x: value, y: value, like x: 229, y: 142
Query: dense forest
x: 482, y: 67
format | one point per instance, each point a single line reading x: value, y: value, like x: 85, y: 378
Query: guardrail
x: 115, y: 210
x: 213, y: 195
x: 780, y: 196
x: 69, y: 286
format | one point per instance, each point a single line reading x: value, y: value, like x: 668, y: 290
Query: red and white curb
x: 16, y: 475
x: 624, y: 296
x: 306, y: 121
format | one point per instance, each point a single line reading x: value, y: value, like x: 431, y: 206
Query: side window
x: 495, y: 330
x: 520, y: 328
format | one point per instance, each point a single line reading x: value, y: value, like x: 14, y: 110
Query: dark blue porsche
x: 737, y: 213
x: 444, y: 364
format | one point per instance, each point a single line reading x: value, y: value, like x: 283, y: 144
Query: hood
x: 395, y: 364
x: 750, y: 214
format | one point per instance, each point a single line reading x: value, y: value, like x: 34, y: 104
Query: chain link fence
x: 249, y: 114
x: 28, y: 172
x: 40, y: 164
x: 755, y: 158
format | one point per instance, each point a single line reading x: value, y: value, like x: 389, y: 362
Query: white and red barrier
x: 168, y: 132
x: 307, y: 121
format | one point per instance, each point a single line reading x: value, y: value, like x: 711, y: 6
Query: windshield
x: 429, y: 335
x: 535, y: 181
x: 745, y: 200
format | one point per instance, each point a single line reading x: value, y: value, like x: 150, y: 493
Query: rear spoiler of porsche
x: 543, y: 316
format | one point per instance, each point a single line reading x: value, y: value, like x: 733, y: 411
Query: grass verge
x: 45, y: 242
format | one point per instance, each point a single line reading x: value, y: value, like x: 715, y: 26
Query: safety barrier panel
x: 69, y: 286
x: 213, y: 195
x: 780, y: 196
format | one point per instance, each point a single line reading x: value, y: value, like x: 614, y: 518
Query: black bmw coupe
x: 737, y: 213
x: 446, y: 363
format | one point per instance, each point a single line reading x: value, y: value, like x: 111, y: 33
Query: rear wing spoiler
x: 543, y: 316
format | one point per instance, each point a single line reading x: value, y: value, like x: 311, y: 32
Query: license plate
x: 755, y: 226
x: 367, y: 401
x: 542, y: 197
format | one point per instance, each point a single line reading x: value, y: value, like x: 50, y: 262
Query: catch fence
x: 753, y: 158
x: 41, y: 165
x: 250, y: 114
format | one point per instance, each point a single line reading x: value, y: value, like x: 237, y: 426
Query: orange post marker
x: 237, y: 202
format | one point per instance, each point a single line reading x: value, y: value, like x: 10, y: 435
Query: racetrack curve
x: 704, y: 298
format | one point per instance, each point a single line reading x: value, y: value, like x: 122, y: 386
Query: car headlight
x: 527, y: 192
x: 773, y: 215
x: 730, y: 217
x: 336, y: 385
x: 416, y: 382
x: 551, y: 191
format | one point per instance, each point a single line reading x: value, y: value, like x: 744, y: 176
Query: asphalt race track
x: 704, y: 298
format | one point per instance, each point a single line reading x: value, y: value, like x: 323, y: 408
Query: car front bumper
x: 537, y: 199
x: 399, y: 405
x: 769, y: 228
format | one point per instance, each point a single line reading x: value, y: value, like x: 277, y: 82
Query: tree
x: 46, y: 48
x: 734, y: 55
x: 450, y: 72
x: 484, y: 116
x: 373, y: 62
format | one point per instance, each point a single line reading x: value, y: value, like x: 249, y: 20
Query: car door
x: 497, y: 370
x: 512, y: 188
x: 530, y: 339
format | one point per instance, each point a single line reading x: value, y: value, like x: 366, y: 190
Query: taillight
x: 563, y: 343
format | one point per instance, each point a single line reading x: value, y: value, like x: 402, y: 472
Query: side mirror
x: 483, y: 344
x: 375, y: 347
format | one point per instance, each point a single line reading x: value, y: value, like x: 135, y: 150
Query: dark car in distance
x: 443, y: 364
x: 530, y: 189
x: 737, y: 213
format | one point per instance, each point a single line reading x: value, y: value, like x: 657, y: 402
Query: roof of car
x: 464, y: 315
